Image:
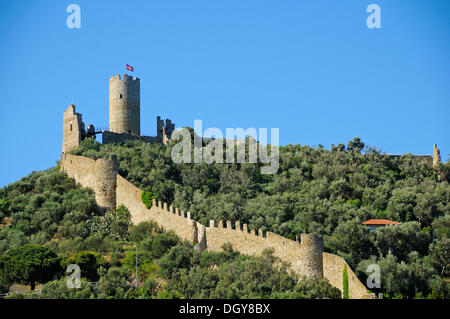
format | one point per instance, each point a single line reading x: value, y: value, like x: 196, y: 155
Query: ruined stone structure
x: 73, y: 129
x: 164, y: 130
x: 432, y: 160
x: 124, y: 118
x: 436, y: 156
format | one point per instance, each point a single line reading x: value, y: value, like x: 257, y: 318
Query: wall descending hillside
x: 167, y: 217
x: 306, y: 258
x: 333, y: 270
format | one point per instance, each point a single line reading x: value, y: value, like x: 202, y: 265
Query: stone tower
x: 73, y: 129
x: 436, y: 156
x: 106, y: 182
x: 125, y: 105
x: 311, y: 256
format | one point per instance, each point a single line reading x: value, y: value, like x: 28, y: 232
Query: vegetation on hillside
x: 327, y: 192
x: 53, y: 223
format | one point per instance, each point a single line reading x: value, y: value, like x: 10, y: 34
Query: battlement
x: 126, y: 77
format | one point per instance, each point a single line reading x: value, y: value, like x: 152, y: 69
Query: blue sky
x: 310, y: 68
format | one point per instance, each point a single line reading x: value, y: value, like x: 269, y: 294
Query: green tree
x: 114, y: 284
x: 440, y: 256
x: 30, y: 264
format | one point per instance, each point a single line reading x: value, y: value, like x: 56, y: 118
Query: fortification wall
x: 242, y: 239
x: 167, y: 217
x: 80, y: 168
x: 112, y: 137
x: 333, y: 270
x: 251, y: 242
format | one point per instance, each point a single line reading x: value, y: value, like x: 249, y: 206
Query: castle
x: 306, y: 258
x: 124, y: 118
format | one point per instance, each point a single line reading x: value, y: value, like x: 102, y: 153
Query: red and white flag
x: 130, y: 68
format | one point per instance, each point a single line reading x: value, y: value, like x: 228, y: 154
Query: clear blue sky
x: 311, y: 68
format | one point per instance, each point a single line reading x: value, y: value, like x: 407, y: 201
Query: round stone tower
x: 311, y: 259
x: 125, y: 104
x: 106, y: 182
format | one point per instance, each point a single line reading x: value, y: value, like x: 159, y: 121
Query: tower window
x: 120, y: 95
x: 71, y: 127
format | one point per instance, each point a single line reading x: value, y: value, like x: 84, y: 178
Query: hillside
x: 315, y: 191
x: 329, y: 193
x: 48, y: 222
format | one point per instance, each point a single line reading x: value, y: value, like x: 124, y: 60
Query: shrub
x: 147, y: 198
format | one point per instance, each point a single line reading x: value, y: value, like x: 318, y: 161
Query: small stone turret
x: 311, y: 256
x: 436, y: 156
x: 106, y: 182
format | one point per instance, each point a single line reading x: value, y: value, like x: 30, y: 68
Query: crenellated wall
x: 306, y: 258
x: 167, y: 217
x: 251, y: 242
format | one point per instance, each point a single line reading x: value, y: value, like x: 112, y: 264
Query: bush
x: 89, y: 263
x: 147, y: 198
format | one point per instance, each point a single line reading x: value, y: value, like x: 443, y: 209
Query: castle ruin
x: 306, y: 258
x: 124, y: 118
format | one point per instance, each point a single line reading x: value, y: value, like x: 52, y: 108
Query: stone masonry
x: 73, y: 129
x: 124, y: 105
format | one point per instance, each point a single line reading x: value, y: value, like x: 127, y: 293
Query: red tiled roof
x: 380, y: 222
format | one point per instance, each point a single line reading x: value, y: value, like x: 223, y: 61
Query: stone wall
x: 333, y: 269
x: 304, y: 258
x: 80, y: 168
x: 167, y: 217
x: 112, y: 137
x: 251, y: 242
